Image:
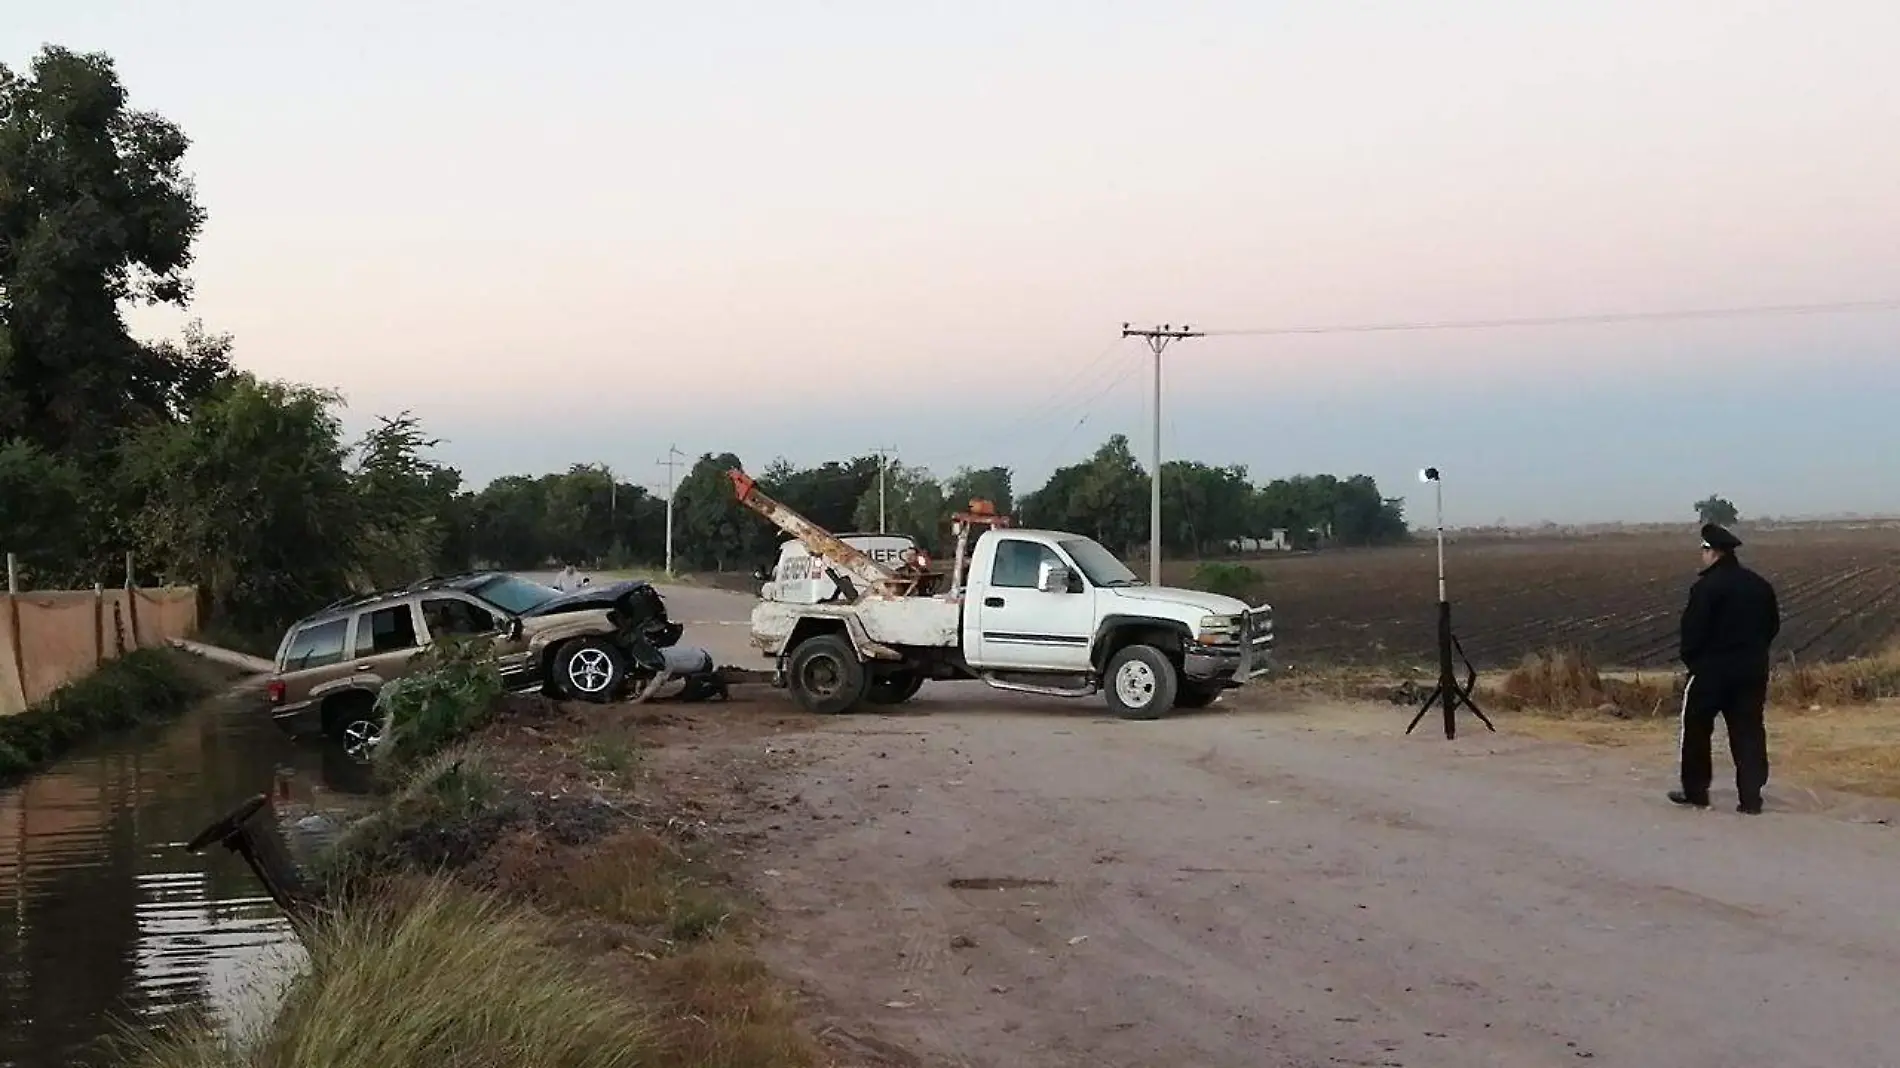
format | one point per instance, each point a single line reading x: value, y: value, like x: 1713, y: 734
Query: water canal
x: 107, y: 921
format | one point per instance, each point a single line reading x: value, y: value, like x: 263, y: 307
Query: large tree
x: 95, y: 211
x: 250, y: 498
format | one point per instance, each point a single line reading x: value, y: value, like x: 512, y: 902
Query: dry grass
x: 1835, y: 726
x: 431, y: 973
x: 717, y: 1006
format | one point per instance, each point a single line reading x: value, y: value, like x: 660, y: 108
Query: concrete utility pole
x: 883, y: 463
x: 1157, y: 338
x: 673, y: 459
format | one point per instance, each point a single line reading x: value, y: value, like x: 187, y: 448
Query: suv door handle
x: 992, y: 602
x: 365, y: 667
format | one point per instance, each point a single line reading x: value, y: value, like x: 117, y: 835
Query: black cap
x: 1715, y: 536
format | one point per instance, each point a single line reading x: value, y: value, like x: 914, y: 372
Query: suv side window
x: 1019, y: 563
x: 452, y: 616
x: 386, y: 630
x: 318, y: 645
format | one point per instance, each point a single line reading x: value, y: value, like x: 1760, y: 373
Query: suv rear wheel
x: 592, y: 669
x: 351, y: 720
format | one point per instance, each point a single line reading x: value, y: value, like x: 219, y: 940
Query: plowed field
x: 1618, y: 595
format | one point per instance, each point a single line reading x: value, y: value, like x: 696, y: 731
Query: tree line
x: 251, y: 490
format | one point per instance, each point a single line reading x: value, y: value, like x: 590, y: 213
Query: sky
x: 585, y: 231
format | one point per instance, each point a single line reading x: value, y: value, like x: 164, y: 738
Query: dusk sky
x: 583, y: 231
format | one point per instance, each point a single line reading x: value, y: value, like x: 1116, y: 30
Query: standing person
x: 1731, y: 619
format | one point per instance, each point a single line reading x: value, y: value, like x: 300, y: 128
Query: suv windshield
x: 1098, y: 563
x: 513, y: 593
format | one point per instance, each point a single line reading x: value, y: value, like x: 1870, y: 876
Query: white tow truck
x: 1032, y: 611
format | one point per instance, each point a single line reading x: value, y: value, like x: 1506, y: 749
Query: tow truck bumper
x: 1239, y: 663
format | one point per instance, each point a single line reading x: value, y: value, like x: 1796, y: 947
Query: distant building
x: 1275, y: 543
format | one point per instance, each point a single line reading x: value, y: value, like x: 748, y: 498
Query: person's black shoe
x: 1681, y: 798
x: 1749, y: 808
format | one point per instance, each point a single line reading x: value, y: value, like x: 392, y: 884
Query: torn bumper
x: 1239, y: 662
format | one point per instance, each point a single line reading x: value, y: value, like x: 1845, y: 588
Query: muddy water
x: 106, y: 921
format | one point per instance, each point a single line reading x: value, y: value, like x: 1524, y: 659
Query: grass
x: 431, y: 973
x: 145, y: 685
x: 611, y: 754
x: 639, y: 879
x: 444, y: 812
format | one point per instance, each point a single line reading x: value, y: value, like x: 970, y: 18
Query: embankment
x: 143, y: 686
x: 540, y: 884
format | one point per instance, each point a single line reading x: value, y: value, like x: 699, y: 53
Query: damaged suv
x: 591, y: 644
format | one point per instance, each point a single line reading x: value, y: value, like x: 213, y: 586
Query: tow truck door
x: 1019, y: 627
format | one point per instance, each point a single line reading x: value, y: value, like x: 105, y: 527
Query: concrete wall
x: 51, y: 637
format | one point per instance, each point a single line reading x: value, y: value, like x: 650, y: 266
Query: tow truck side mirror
x: 1053, y: 578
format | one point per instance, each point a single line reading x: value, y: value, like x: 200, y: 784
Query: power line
x: 1573, y: 320
x: 1157, y: 338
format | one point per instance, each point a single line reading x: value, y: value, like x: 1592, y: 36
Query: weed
x: 451, y: 695
x: 1227, y: 579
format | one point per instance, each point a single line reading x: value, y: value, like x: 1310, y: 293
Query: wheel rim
x: 360, y: 736
x: 590, y: 670
x: 1135, y: 684
x: 822, y: 676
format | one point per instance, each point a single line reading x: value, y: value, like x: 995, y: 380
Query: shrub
x: 1227, y: 579
x: 143, y: 685
x: 430, y: 973
x: 1568, y: 680
x: 450, y: 696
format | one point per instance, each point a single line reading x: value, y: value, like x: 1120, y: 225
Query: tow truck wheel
x: 895, y: 688
x: 1141, y: 683
x: 825, y: 676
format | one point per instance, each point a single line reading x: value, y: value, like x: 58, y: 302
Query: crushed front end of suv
x: 596, y: 643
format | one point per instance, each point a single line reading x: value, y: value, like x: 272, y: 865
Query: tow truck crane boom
x: 839, y: 556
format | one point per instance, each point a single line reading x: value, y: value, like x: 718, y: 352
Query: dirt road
x: 983, y: 881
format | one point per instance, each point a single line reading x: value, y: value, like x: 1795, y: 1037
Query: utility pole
x: 673, y: 459
x: 1157, y: 338
x: 883, y: 463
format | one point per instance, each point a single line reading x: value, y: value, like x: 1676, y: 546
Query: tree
x: 250, y: 499
x: 42, y: 514
x: 913, y: 505
x: 716, y: 532
x: 992, y: 484
x: 1105, y: 497
x: 95, y: 210
x: 1718, y: 510
x: 401, y: 500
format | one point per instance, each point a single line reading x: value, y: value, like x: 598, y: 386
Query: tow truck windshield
x: 1098, y: 564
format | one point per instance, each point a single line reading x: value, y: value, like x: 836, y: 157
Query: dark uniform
x: 1731, y: 619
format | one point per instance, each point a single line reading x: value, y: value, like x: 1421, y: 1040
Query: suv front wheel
x: 591, y: 669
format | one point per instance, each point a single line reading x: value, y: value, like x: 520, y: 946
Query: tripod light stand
x: 1448, y: 692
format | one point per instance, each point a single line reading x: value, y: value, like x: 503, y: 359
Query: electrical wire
x: 1571, y: 320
